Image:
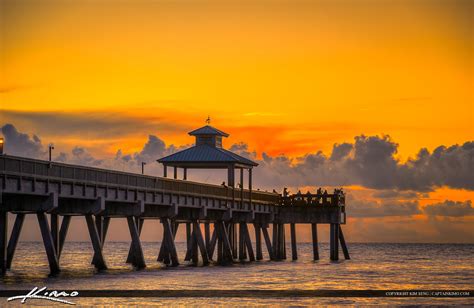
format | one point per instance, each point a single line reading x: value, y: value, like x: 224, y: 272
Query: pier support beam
x: 139, y: 225
x: 242, y: 248
x: 190, y: 243
x: 294, y: 252
x: 14, y: 237
x: 212, y: 244
x: 138, y: 259
x: 234, y: 239
x: 268, y: 242
x: 54, y: 219
x: 196, y: 246
x: 63, y: 232
x: 314, y: 233
x: 343, y: 244
x: 99, y: 261
x: 102, y: 227
x: 247, y: 241
x: 169, y: 244
x: 199, y: 240
x: 3, y: 240
x: 279, y: 248
x: 334, y: 242
x: 224, y: 250
x: 207, y: 236
x: 48, y: 243
x: 258, y: 241
x: 166, y: 254
x: 282, y: 242
x: 275, y: 244
x: 188, y: 240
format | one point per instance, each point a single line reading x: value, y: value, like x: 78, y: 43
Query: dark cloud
x: 371, y: 162
x: 396, y: 194
x: 341, y: 151
x: 450, y: 208
x: 21, y: 144
x: 153, y: 149
x: 450, y: 166
x: 363, y: 208
x: 104, y: 124
x: 79, y: 156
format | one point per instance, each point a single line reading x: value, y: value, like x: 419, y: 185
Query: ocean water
x: 372, y: 267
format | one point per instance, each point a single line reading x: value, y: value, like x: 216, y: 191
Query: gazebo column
x: 250, y: 188
x: 231, y: 176
x: 185, y: 173
x: 175, y: 172
x: 231, y: 180
x: 242, y: 186
x: 165, y: 171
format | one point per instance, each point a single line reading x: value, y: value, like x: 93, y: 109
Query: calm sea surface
x: 373, y: 266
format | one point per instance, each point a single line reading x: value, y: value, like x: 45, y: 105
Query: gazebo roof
x: 205, y: 156
x: 208, y: 130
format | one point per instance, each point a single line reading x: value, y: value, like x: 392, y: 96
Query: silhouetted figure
x: 223, y: 184
x: 298, y: 195
x: 320, y: 191
x: 325, y: 196
x: 309, y: 197
x: 285, y: 192
x: 275, y: 192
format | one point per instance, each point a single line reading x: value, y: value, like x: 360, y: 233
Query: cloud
x: 450, y: 208
x: 396, y: 194
x: 369, y: 161
x: 450, y: 166
x: 104, y: 124
x: 155, y: 148
x: 341, y: 151
x: 21, y: 144
x: 79, y: 156
x: 365, y: 208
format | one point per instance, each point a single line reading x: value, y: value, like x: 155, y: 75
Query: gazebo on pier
x: 208, y: 153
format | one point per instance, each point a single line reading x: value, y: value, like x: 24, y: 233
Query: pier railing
x: 337, y: 199
x: 12, y: 165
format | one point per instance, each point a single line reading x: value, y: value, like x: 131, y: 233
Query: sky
x: 375, y: 96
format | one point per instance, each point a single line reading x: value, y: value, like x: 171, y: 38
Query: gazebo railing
x: 337, y: 199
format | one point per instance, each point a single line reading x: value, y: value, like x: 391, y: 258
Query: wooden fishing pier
x: 216, y: 217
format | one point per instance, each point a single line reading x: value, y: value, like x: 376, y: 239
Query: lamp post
x: 1, y: 146
x: 51, y: 148
x: 143, y: 167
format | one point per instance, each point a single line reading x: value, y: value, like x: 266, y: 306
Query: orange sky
x: 308, y: 74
